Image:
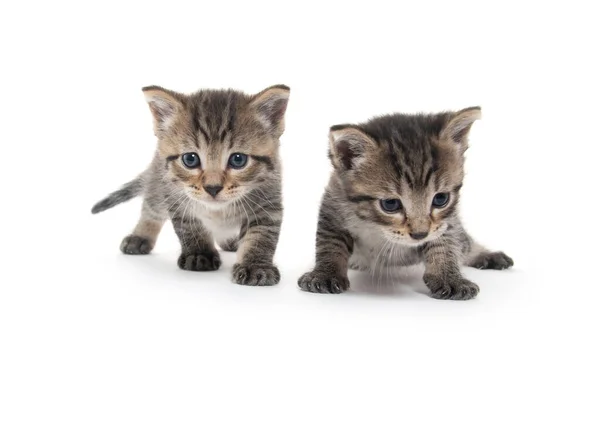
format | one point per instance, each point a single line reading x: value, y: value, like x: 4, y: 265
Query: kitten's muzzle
x: 213, y: 190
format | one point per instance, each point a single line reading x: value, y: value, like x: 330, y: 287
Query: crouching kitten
x: 392, y: 200
x: 216, y: 174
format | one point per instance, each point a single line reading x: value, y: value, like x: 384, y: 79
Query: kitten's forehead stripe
x: 222, y: 136
x: 229, y: 117
x: 408, y: 178
x: 214, y: 113
x: 409, y: 143
x: 428, y: 175
x: 201, y: 129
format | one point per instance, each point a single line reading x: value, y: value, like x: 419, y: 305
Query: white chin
x: 410, y: 242
x: 213, y: 203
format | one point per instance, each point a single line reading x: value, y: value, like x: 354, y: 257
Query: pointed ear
x: 348, y: 146
x: 457, y: 129
x: 270, y: 105
x: 164, y: 105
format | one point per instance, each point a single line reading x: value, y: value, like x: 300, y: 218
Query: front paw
x: 323, y: 283
x: 255, y: 274
x: 199, y: 261
x: 492, y: 260
x: 451, y: 287
x: 136, y: 245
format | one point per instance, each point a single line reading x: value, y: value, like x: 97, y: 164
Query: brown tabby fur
x: 410, y: 158
x: 245, y: 214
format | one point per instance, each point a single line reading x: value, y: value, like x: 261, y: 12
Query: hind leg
x: 359, y: 262
x: 480, y: 257
x: 143, y: 238
x: 230, y: 245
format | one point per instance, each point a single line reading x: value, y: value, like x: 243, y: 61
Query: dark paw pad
x: 255, y: 274
x: 451, y: 288
x: 492, y: 260
x: 323, y: 283
x: 199, y: 262
x: 136, y: 245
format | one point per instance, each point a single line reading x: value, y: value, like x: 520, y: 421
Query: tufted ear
x: 348, y: 146
x: 164, y: 105
x: 457, y: 129
x: 270, y: 106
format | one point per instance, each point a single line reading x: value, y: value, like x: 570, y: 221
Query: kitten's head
x: 218, y: 145
x: 404, y: 172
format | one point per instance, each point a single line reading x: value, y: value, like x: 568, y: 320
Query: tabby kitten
x: 216, y: 174
x: 395, y: 189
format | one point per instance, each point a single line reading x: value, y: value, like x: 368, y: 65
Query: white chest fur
x: 372, y: 250
x: 221, y: 223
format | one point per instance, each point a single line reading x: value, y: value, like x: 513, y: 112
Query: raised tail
x: 128, y: 191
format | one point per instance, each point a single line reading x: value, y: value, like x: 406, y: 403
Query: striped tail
x: 128, y: 191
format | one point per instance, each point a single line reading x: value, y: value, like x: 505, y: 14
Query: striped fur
x: 410, y: 158
x: 129, y: 191
x: 245, y: 215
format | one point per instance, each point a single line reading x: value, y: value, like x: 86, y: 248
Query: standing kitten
x: 395, y: 189
x: 216, y: 174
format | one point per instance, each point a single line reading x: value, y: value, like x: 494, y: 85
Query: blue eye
x: 440, y: 199
x: 190, y: 160
x: 238, y: 160
x: 390, y: 205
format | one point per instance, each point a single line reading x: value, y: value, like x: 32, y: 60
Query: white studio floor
x: 138, y: 339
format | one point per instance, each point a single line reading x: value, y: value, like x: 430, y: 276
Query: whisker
x: 245, y: 212
x: 374, y: 270
x: 251, y: 210
x: 260, y: 206
x: 265, y: 197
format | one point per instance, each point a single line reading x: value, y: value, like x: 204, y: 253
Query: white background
x: 90, y: 336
